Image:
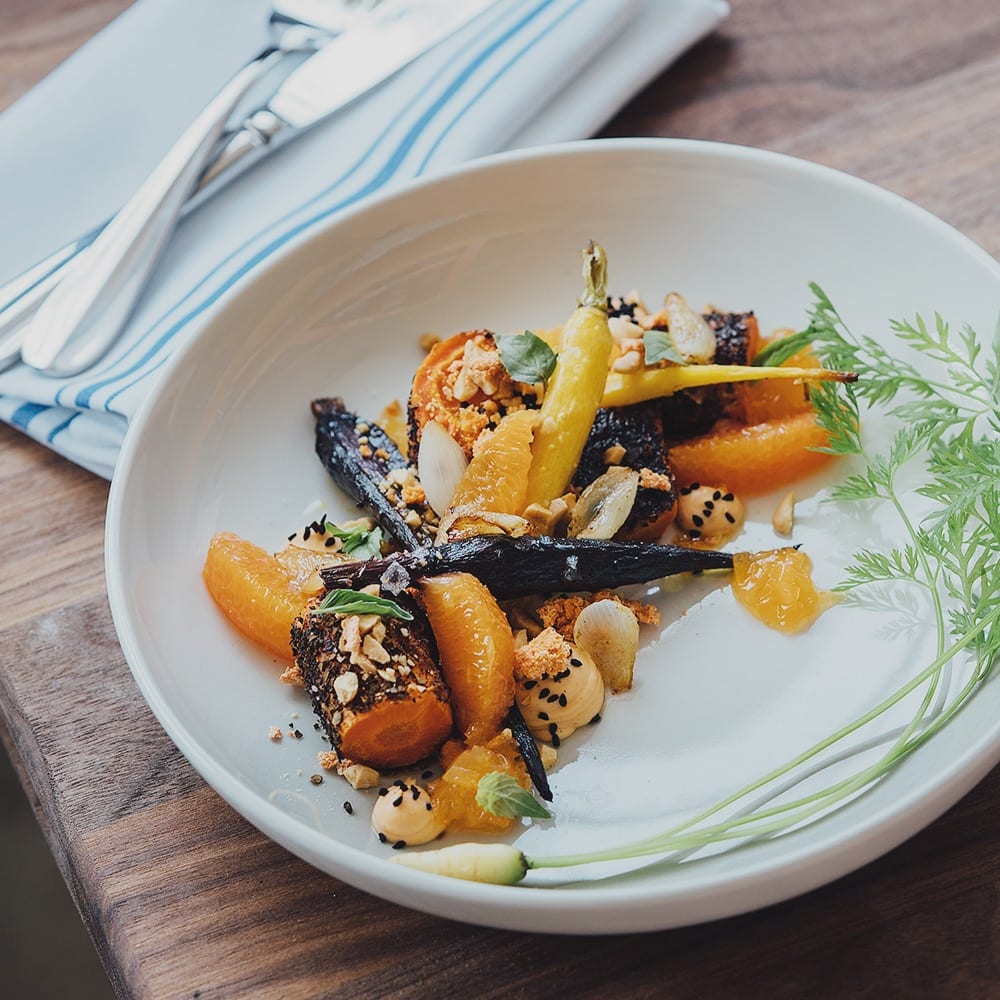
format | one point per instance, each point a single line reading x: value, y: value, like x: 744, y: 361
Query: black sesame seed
x: 428, y: 807
x: 730, y: 518
x: 382, y: 838
x: 717, y: 495
x: 415, y: 793
x: 348, y: 808
x: 426, y: 775
x: 555, y: 741
x: 595, y: 719
x: 562, y: 700
x: 330, y: 541
x: 697, y: 520
x: 544, y: 716
x: 399, y: 783
x: 398, y: 802
x: 528, y: 685
x: 553, y: 728
x: 696, y: 486
x: 292, y: 536
x: 685, y: 491
x: 298, y: 735
x: 544, y: 693
x: 695, y: 535
x: 399, y: 845
x: 562, y: 675
x: 729, y: 498
x: 552, y: 698
x: 306, y: 531
x: 576, y: 663
x: 383, y: 791
x: 709, y: 504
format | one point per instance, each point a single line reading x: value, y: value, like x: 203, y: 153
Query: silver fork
x: 139, y: 231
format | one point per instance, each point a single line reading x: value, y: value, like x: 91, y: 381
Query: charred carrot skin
x: 516, y: 567
x: 639, y: 430
x: 359, y: 456
x: 392, y: 713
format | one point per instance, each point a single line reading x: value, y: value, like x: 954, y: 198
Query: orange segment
x: 770, y: 399
x: 497, y: 477
x: 476, y: 649
x: 454, y: 793
x: 753, y: 458
x: 256, y: 592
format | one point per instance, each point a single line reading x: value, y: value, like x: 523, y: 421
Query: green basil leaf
x: 659, y: 347
x: 351, y: 602
x: 367, y: 544
x: 779, y: 351
x: 526, y: 356
x: 501, y: 795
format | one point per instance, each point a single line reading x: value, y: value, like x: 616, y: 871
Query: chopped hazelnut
x: 346, y: 687
x: 784, y: 514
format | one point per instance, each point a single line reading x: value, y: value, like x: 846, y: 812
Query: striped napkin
x: 526, y: 72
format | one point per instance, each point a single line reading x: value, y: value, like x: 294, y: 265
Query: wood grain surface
x: 184, y: 899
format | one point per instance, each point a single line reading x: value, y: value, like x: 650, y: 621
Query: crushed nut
x: 374, y: 650
x: 784, y: 514
x: 614, y: 454
x: 274, y: 734
x: 359, y: 775
x: 346, y: 687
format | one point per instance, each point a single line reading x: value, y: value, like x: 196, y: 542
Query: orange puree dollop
x: 776, y: 587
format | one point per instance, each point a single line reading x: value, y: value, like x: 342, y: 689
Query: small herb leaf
x: 352, y: 602
x: 779, y: 351
x: 526, y: 357
x: 360, y: 541
x: 501, y: 795
x: 659, y: 347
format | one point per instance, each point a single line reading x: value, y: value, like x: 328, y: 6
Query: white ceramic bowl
x: 226, y: 444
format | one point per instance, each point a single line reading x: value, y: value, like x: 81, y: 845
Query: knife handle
x: 237, y: 150
x: 85, y: 313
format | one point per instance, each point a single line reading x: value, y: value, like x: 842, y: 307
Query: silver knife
x: 341, y: 71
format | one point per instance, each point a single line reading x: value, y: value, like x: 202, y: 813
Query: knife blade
x: 359, y: 60
x: 336, y: 76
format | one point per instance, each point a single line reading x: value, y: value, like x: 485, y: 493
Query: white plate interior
x: 227, y: 445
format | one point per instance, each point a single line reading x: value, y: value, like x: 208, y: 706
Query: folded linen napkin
x: 90, y: 132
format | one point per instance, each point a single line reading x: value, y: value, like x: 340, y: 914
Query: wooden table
x: 185, y: 899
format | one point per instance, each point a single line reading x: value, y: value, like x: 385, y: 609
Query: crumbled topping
x: 543, y: 655
x: 274, y: 734
x: 561, y: 613
x: 292, y: 675
x: 650, y: 480
x: 481, y: 370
